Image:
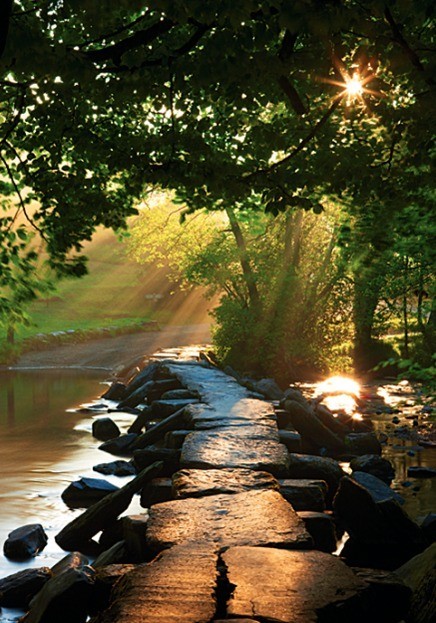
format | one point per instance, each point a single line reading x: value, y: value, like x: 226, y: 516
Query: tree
x: 226, y: 103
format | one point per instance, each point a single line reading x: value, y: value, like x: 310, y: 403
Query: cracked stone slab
x: 251, y: 518
x: 239, y: 447
x: 290, y: 586
x: 236, y: 412
x: 197, y: 483
x: 176, y: 587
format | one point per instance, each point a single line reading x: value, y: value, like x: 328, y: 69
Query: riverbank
x: 110, y: 353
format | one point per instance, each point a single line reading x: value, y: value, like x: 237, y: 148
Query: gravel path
x: 110, y: 353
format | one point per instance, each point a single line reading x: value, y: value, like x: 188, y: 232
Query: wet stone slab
x: 290, y: 586
x: 241, y: 447
x: 177, y: 587
x: 197, y: 483
x: 250, y: 518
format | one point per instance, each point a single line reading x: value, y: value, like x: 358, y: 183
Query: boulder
x: 316, y: 467
x: 161, y: 409
x: 381, y: 532
x: 121, y: 446
x: 268, y: 388
x: 25, y: 542
x: 65, y: 597
x: 158, y: 431
x: 105, y: 579
x: 86, y: 491
x: 387, y: 592
x: 305, y: 421
x: 428, y: 526
x: 116, y: 391
x: 419, y: 574
x: 179, y: 394
x: 174, y: 438
x: 328, y: 419
x: 141, y: 421
x: 148, y: 373
x: 293, y: 393
x: 321, y: 528
x: 362, y: 443
x: 291, y: 439
x: 139, y: 396
x: 378, y: 489
x: 134, y: 528
x: 116, y: 468
x: 104, y: 429
x: 147, y: 456
x: 17, y: 590
x: 375, y: 465
x: 115, y: 555
x: 304, y: 494
x: 160, y: 387
x: 81, y: 529
x: 111, y: 535
x: 156, y: 491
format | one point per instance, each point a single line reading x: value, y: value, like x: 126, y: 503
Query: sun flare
x: 339, y: 393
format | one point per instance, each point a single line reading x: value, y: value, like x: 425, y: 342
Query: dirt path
x: 110, y: 353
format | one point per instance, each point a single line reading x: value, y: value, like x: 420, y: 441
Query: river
x: 46, y: 443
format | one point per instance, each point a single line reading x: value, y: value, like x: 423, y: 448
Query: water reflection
x: 42, y: 450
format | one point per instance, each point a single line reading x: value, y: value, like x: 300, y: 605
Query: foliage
x: 301, y: 316
x: 230, y: 105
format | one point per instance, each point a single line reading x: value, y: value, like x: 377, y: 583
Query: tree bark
x: 247, y: 270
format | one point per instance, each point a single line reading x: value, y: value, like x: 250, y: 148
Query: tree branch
x: 305, y: 141
x: 399, y: 38
x: 138, y: 39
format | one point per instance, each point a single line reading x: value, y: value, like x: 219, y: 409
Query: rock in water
x: 65, y: 597
x: 86, y: 491
x: 104, y: 428
x: 419, y: 574
x: 322, y: 468
x: 79, y: 531
x: 25, y: 542
x: 116, y: 468
x: 375, y: 465
x: 17, y: 590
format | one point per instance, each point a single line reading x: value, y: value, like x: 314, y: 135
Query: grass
x: 117, y: 293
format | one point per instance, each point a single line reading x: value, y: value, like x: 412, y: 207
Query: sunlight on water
x: 339, y: 393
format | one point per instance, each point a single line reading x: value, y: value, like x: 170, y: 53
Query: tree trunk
x: 247, y: 271
x: 5, y: 15
x: 367, y: 286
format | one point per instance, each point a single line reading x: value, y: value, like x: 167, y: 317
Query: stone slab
x: 229, y: 448
x: 197, y: 483
x: 250, y: 518
x: 289, y: 586
x: 238, y: 412
x: 177, y: 587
